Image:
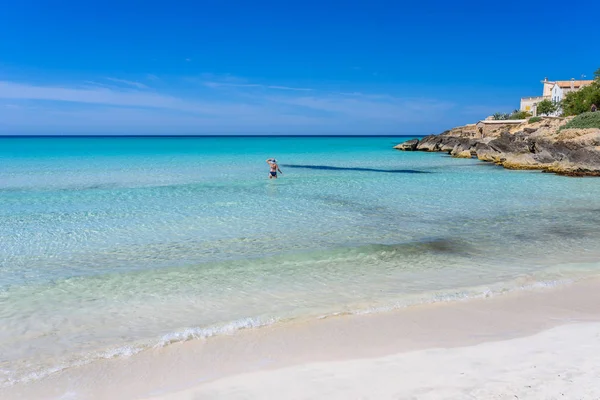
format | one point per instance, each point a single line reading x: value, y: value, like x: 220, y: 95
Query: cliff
x: 540, y: 145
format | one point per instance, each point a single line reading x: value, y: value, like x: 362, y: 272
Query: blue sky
x: 280, y: 67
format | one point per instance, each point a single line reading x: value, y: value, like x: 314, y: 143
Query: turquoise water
x: 109, y: 246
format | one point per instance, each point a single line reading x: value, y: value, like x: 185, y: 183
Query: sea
x: 110, y: 246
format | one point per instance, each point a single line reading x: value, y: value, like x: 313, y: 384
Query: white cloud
x: 290, y: 88
x: 213, y: 84
x: 246, y: 107
x: 107, y: 96
x: 360, y: 106
x: 130, y: 83
x: 223, y: 84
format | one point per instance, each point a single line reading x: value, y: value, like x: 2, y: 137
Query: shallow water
x: 109, y: 246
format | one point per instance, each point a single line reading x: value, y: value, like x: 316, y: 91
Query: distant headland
x: 561, y: 134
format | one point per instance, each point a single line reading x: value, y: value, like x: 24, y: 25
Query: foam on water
x: 203, y: 333
x: 112, y: 246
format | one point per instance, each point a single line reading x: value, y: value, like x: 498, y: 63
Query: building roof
x: 577, y: 84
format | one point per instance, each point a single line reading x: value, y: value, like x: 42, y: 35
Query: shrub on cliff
x: 515, y: 115
x: 534, y: 119
x: 584, y: 121
x: 581, y: 101
x: 519, y: 115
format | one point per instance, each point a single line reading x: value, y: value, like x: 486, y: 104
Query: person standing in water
x: 274, y: 168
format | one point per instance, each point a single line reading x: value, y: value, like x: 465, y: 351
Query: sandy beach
x: 467, y: 351
x: 562, y: 362
x: 542, y: 343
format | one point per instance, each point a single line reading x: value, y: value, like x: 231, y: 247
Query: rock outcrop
x: 539, y: 146
x: 409, y: 145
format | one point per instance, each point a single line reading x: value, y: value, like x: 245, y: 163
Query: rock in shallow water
x: 409, y: 145
x: 429, y: 143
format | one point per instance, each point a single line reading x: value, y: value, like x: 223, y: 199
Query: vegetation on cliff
x: 584, y: 121
x: 514, y: 115
x: 581, y: 101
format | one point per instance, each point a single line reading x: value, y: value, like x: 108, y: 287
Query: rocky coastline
x: 520, y: 145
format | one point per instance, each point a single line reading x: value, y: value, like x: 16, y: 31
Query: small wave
x: 203, y: 333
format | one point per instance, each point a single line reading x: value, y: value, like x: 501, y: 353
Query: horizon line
x: 193, y: 136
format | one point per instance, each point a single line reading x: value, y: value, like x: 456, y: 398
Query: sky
x: 281, y: 67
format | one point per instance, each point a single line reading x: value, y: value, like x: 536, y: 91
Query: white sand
x: 537, y: 344
x: 562, y: 362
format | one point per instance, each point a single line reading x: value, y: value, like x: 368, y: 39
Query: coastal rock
x: 462, y: 149
x: 545, y: 152
x: 484, y: 152
x: 409, y: 145
x: 511, y: 143
x: 448, y: 144
x: 462, y: 154
x: 467, y: 131
x: 521, y: 161
x: 541, y: 145
x: 583, y: 137
x: 582, y: 162
x: 429, y: 143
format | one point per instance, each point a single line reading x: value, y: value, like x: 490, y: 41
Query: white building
x: 561, y: 88
x: 554, y: 91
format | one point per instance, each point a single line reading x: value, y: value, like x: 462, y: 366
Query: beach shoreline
x: 282, y: 351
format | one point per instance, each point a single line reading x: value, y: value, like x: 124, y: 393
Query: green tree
x: 581, y: 101
x: 546, y: 107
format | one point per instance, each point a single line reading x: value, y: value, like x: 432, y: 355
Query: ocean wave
x: 203, y: 333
